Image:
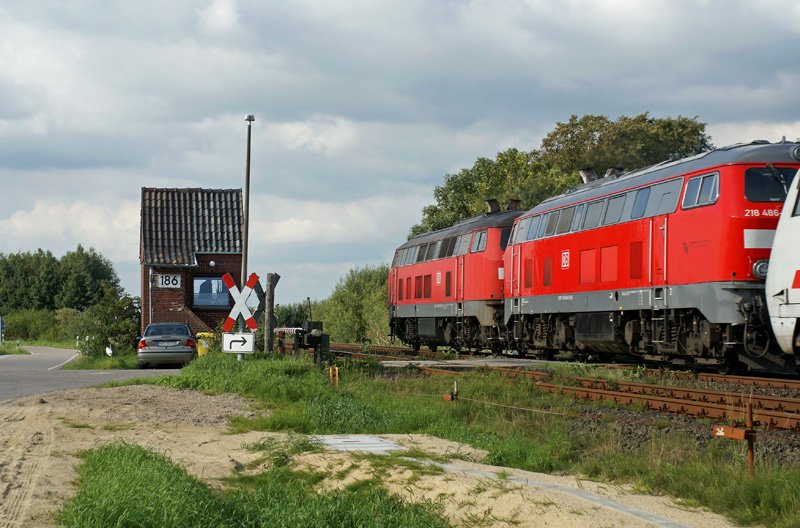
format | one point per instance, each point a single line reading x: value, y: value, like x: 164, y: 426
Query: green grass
x: 69, y: 345
x: 366, y: 401
x: 11, y: 348
x: 126, y: 362
x: 123, y: 485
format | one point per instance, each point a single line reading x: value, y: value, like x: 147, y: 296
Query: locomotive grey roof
x: 755, y: 152
x: 179, y: 223
x: 498, y: 219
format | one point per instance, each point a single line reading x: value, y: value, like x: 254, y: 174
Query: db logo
x: 565, y: 259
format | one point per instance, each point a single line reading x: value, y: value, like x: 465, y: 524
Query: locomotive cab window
x: 522, y: 229
x: 767, y: 184
x: 701, y: 190
x: 479, y: 242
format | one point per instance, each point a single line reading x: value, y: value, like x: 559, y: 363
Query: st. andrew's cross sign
x: 240, y: 308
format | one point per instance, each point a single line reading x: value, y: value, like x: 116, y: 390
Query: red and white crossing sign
x: 240, y: 302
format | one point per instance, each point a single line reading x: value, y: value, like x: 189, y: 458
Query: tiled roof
x: 179, y: 223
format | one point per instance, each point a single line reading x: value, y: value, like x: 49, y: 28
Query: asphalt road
x: 39, y: 373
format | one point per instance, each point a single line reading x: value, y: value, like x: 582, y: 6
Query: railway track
x: 769, y: 412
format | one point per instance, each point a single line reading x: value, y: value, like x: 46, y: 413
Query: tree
x: 356, y: 310
x: 590, y: 141
x: 82, y: 276
x: 628, y: 142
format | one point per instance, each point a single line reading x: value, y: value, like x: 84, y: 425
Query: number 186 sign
x: 168, y: 281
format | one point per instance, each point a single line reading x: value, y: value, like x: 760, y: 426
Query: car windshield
x: 165, y: 329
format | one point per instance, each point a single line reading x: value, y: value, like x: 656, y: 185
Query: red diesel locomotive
x: 666, y: 263
x: 446, y: 286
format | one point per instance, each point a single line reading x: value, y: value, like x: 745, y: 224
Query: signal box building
x: 189, y: 238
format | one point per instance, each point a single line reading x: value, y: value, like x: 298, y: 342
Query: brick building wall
x: 177, y: 304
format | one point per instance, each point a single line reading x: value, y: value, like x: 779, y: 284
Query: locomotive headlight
x: 760, y: 269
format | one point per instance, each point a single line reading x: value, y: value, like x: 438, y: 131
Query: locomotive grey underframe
x: 717, y: 301
x: 482, y: 311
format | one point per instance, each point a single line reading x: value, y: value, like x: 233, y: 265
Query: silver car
x: 166, y: 344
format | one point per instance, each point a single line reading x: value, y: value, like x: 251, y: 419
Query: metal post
x: 750, y: 440
x: 246, y: 220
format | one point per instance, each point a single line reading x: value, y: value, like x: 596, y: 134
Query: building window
x: 210, y: 292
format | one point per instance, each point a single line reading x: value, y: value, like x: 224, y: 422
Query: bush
x: 114, y: 322
x: 30, y: 324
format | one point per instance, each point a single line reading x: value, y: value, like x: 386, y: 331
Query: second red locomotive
x: 666, y: 263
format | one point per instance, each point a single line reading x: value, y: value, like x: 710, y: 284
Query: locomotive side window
x: 565, y: 220
x: 767, y: 184
x: 593, y: 214
x: 531, y: 234
x: 400, y: 290
x: 614, y: 210
x: 463, y: 244
x: 479, y: 242
x: 446, y: 249
x: 448, y: 284
x: 701, y: 190
x: 433, y: 250
x: 542, y: 226
x: 664, y: 198
x: 418, y: 287
x: 423, y: 250
x: 426, y: 281
x: 576, y: 221
x: 552, y: 222
x: 640, y: 202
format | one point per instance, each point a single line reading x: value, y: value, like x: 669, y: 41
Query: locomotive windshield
x: 767, y: 184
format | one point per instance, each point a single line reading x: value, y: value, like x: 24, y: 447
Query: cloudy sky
x: 361, y: 107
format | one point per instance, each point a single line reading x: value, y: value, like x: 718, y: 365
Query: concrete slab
x: 364, y: 443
